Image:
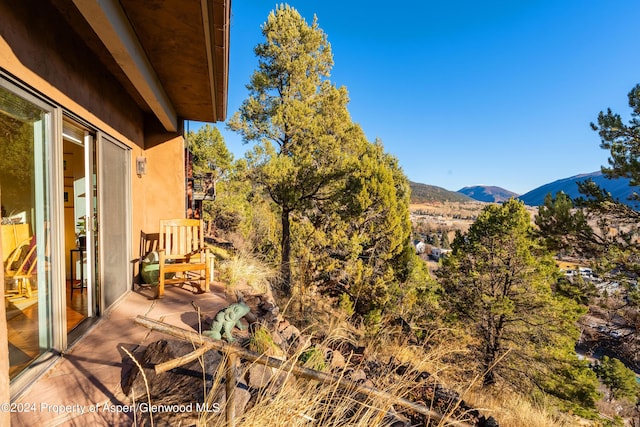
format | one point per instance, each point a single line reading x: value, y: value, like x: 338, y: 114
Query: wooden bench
x: 182, y: 250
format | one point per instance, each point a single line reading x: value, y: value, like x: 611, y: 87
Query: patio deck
x: 84, y: 387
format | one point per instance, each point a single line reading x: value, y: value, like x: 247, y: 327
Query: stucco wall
x: 160, y: 192
x: 40, y: 48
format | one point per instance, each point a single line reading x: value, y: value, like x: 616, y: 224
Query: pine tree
x: 369, y: 234
x: 561, y: 226
x: 620, y: 380
x: 211, y: 161
x: 209, y: 151
x: 297, y: 119
x: 498, y: 283
x: 618, y: 223
x: 622, y: 141
x: 601, y: 227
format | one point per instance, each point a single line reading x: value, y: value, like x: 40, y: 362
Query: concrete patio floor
x: 84, y: 387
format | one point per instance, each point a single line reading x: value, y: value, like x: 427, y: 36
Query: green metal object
x: 150, y: 269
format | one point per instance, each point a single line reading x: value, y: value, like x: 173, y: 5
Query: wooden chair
x: 182, y: 250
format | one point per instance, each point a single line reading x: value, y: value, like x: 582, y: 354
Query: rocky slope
x: 260, y: 388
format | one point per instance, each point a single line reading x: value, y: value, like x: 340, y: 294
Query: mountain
x: 487, y: 193
x: 619, y: 188
x: 423, y: 193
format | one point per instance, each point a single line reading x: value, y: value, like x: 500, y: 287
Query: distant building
x: 438, y: 253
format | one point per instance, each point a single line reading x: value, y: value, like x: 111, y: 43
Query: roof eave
x: 109, y: 22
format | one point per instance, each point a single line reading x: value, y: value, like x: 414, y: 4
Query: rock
x: 284, y: 324
x: 277, y: 339
x: 176, y: 380
x: 357, y: 375
x: 242, y: 397
x: 336, y: 360
x: 487, y: 422
x: 269, y: 307
x: 302, y: 343
x: 290, y: 333
x: 259, y: 376
x: 181, y: 386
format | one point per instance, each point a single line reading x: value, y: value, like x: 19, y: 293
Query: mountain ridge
x: 424, y: 193
x: 488, y: 193
x: 620, y: 188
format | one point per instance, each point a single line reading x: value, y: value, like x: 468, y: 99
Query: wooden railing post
x: 230, y: 384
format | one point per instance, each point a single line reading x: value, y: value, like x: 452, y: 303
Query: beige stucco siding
x: 47, y: 56
x: 161, y: 192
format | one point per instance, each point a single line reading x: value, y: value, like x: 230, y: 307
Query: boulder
x: 357, y: 375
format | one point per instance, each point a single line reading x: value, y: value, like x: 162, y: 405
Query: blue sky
x: 466, y: 92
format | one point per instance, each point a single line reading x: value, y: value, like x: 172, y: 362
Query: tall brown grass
x: 242, y: 269
x: 512, y: 410
x: 289, y: 401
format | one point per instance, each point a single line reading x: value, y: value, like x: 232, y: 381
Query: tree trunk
x: 489, y: 365
x: 285, y: 251
x: 5, y: 395
x: 493, y: 347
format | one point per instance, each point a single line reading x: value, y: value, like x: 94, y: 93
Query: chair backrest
x: 25, y: 263
x: 148, y: 243
x: 21, y: 257
x: 181, y: 237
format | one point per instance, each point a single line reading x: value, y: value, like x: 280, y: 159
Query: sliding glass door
x: 25, y: 150
x: 65, y: 192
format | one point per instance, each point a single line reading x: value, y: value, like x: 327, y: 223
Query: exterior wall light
x: 141, y: 165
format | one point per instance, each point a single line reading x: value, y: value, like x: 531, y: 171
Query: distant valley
x: 422, y: 193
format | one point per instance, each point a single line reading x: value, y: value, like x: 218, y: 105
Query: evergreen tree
x: 373, y: 214
x: 618, y: 223
x: 622, y: 141
x: 561, y: 226
x: 209, y: 152
x: 602, y: 228
x: 297, y: 119
x: 620, y: 380
x: 444, y: 243
x: 497, y: 283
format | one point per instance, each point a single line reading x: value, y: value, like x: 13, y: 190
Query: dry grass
x: 243, y: 269
x: 289, y: 401
x: 512, y: 410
